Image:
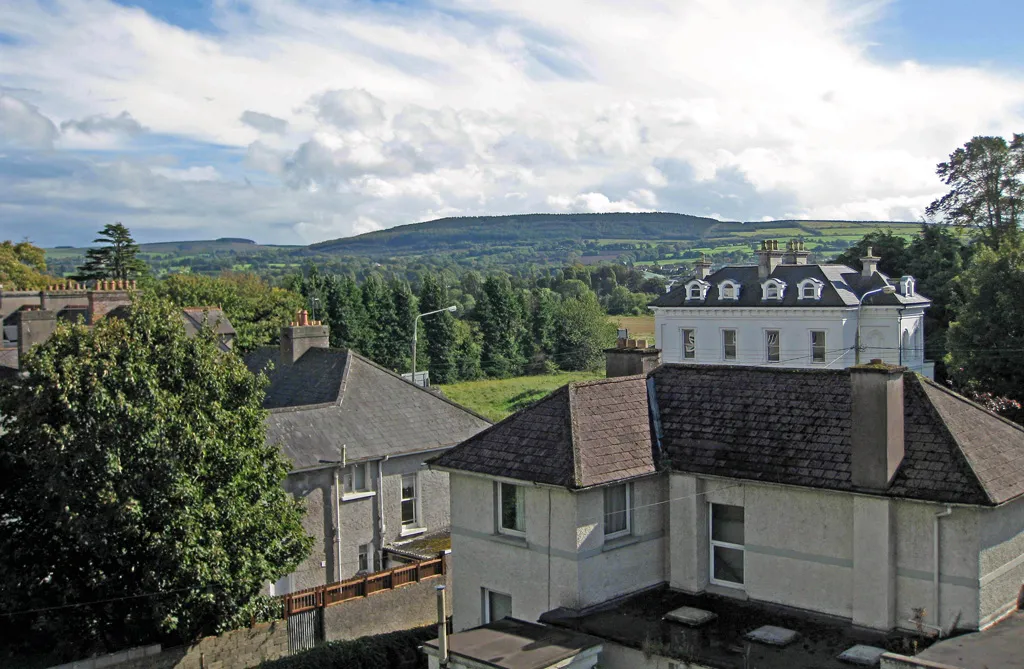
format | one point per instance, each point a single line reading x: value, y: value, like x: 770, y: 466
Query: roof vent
x: 772, y: 635
x: 862, y: 656
x: 690, y: 616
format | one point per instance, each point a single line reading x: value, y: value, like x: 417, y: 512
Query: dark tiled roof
x: 516, y: 644
x: 843, y: 287
x: 581, y: 435
x: 197, y: 318
x: 335, y: 397
x: 793, y: 427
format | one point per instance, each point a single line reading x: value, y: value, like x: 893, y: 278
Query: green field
x: 499, y: 398
x: 638, y: 326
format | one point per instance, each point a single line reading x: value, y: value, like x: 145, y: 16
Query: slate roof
x: 793, y: 427
x: 196, y: 318
x: 581, y: 435
x: 843, y: 287
x: 334, y: 397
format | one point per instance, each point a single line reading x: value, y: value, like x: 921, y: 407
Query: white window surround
x: 410, y: 505
x: 510, y: 509
x: 819, y: 346
x: 618, y: 509
x: 726, y: 544
x: 688, y: 337
x: 365, y: 557
x: 496, y: 605
x: 772, y: 345
x: 809, y: 289
x: 728, y: 290
x: 730, y: 344
x: 773, y: 289
x: 697, y: 289
x: 907, y: 286
x: 356, y: 482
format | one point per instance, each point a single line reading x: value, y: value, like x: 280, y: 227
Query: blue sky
x: 294, y: 121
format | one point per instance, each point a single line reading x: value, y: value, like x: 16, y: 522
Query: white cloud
x: 373, y: 114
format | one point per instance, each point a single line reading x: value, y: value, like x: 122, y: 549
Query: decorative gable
x: 809, y: 289
x: 907, y: 286
x: 773, y: 289
x: 729, y: 290
x: 697, y: 290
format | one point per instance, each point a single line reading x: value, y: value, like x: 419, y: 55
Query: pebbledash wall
x: 407, y: 607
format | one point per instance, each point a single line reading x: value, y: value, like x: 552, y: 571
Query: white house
x: 671, y: 514
x: 788, y: 313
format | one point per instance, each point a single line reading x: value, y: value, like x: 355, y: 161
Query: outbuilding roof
x: 583, y: 434
x: 331, y: 398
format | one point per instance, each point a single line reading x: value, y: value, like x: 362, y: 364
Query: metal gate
x: 305, y: 629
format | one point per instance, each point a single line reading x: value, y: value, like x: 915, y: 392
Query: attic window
x: 729, y: 290
x: 810, y: 289
x: 697, y: 290
x: 773, y: 289
x: 907, y: 286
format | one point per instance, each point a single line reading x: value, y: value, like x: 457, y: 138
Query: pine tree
x: 439, y: 331
x: 380, y: 314
x: 116, y: 259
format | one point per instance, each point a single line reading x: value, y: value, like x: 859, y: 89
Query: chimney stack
x: 869, y: 264
x: 768, y: 258
x: 796, y: 253
x: 876, y: 430
x: 35, y: 326
x: 630, y: 357
x: 300, y: 336
x: 442, y: 628
x: 108, y: 295
x: 702, y: 268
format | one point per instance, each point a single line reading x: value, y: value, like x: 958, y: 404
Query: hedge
x: 395, y: 650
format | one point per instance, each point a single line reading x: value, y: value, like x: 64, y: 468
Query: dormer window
x: 697, y: 290
x: 907, y: 286
x: 773, y: 289
x: 729, y: 290
x: 809, y: 289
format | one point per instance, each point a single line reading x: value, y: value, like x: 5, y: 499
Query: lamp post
x: 415, y: 323
x: 887, y: 290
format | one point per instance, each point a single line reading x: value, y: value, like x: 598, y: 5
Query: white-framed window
x: 496, y: 605
x: 365, y: 557
x: 697, y: 289
x: 772, y: 345
x: 357, y: 479
x: 689, y: 344
x: 773, y: 289
x: 617, y: 510
x: 907, y: 286
x: 729, y: 290
x: 511, y: 509
x: 726, y: 550
x: 728, y: 344
x: 410, y: 501
x: 809, y: 289
x: 818, y: 346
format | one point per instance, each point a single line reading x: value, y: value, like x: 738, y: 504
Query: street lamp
x: 415, y: 323
x: 886, y: 290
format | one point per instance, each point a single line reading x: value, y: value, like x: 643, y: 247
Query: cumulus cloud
x: 374, y: 117
x: 21, y: 125
x: 264, y: 122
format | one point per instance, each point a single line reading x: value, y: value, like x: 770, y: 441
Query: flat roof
x: 516, y: 644
x: 637, y: 622
x: 1001, y: 645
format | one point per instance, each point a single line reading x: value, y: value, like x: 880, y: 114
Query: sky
x: 296, y: 121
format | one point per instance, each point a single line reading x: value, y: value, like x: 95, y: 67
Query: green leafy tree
x: 380, y: 313
x: 398, y: 343
x: 467, y: 352
x: 987, y: 336
x: 115, y: 259
x: 986, y: 180
x: 439, y: 331
x: 140, y: 499
x: 346, y: 313
x: 23, y: 267
x: 889, y: 247
x: 545, y: 315
x: 256, y: 310
x: 500, y: 316
x: 582, y: 333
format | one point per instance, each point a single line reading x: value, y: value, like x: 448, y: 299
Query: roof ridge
x: 968, y: 401
x: 612, y: 379
x: 754, y: 368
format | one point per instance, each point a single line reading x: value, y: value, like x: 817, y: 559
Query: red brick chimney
x: 108, y: 295
x: 630, y: 357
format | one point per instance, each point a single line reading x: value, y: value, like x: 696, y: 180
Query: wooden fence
x: 336, y: 593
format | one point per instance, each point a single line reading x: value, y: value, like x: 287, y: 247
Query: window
x: 726, y: 544
x: 697, y: 289
x: 364, y: 557
x: 496, y: 606
x: 616, y: 511
x: 729, y: 344
x: 817, y: 346
x: 810, y: 289
x: 729, y: 290
x: 356, y: 480
x: 511, y: 509
x: 694, y: 292
x: 773, y: 289
x: 771, y: 344
x: 689, y: 344
x: 771, y: 292
x: 408, y: 501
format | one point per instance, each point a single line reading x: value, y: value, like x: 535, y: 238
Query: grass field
x: 638, y: 326
x: 498, y: 398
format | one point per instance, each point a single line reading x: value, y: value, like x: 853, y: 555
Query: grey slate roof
x: 787, y: 426
x: 843, y: 288
x: 196, y: 318
x: 793, y: 427
x: 334, y: 397
x: 581, y: 435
